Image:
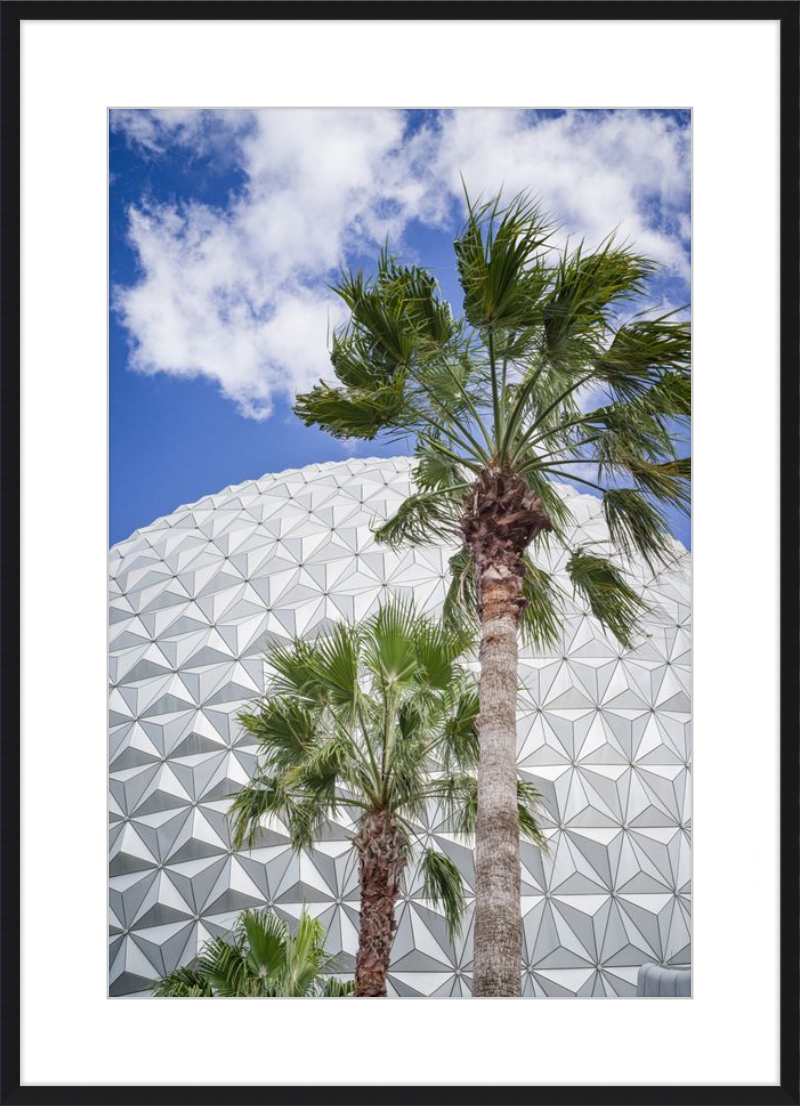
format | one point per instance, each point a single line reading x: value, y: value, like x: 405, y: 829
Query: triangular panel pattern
x: 603, y: 732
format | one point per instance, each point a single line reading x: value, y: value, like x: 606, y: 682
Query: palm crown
x: 492, y: 401
x: 378, y: 720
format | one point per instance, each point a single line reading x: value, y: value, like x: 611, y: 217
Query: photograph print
x: 399, y: 569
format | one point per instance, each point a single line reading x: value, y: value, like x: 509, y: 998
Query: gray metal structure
x: 603, y: 732
x: 654, y: 981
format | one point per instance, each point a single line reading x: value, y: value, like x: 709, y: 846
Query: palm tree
x: 549, y: 373
x: 261, y: 959
x: 376, y: 719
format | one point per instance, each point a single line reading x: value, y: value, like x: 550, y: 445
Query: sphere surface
x: 603, y: 732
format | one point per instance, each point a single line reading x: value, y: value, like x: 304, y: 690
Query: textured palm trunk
x: 500, y: 520
x: 381, y: 851
x: 498, y: 920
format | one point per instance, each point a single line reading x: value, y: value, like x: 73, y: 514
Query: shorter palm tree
x: 260, y: 959
x: 377, y: 719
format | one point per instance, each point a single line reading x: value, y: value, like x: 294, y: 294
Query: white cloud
x: 594, y: 171
x: 238, y: 294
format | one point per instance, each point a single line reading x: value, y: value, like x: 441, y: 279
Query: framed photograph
x: 372, y: 552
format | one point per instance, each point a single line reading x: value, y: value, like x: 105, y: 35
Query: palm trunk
x: 381, y: 851
x: 501, y: 518
x: 498, y: 918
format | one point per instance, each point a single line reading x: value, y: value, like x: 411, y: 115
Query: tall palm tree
x: 261, y: 959
x: 549, y: 373
x: 376, y: 719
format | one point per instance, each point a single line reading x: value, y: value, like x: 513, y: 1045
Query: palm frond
x: 613, y: 602
x: 528, y: 805
x: 438, y: 648
x: 222, y: 963
x: 585, y: 289
x: 337, y: 988
x: 353, y: 413
x: 266, y: 938
x: 635, y: 524
x: 305, y: 957
x: 628, y: 433
x: 555, y: 506
x: 459, y: 744
x: 444, y: 886
x: 667, y: 482
x: 353, y: 365
x: 638, y: 354
x: 435, y: 471
x: 671, y: 395
x: 499, y: 254
x: 263, y: 795
x: 422, y: 517
x: 334, y: 663
x: 457, y: 794
x: 460, y: 610
x: 305, y: 818
x: 416, y: 296
x: 541, y: 623
x: 183, y: 982
x: 284, y: 729
x: 291, y: 673
x: 390, y: 644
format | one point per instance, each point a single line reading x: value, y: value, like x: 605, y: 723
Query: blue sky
x: 225, y: 227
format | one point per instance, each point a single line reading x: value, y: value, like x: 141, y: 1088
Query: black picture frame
x: 787, y: 1093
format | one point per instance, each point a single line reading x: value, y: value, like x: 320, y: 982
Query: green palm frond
x: 284, y: 728
x: 183, y: 982
x: 292, y: 674
x: 399, y: 311
x: 639, y: 353
x: 263, y: 796
x: 459, y: 612
x: 438, y: 649
x: 627, y: 434
x: 416, y: 294
x: 390, y: 652
x: 266, y: 938
x: 671, y: 395
x: 353, y: 413
x: 421, y: 518
x: 541, y: 616
x: 457, y: 794
x: 353, y: 364
x: 334, y: 663
x: 555, y: 505
x: 586, y: 288
x: 528, y: 805
x: 444, y: 886
x: 435, y: 471
x: 635, y: 524
x: 612, y: 601
x: 499, y: 254
x: 304, y: 819
x: 305, y: 958
x: 459, y: 744
x: 337, y: 988
x: 667, y: 482
x: 223, y: 965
